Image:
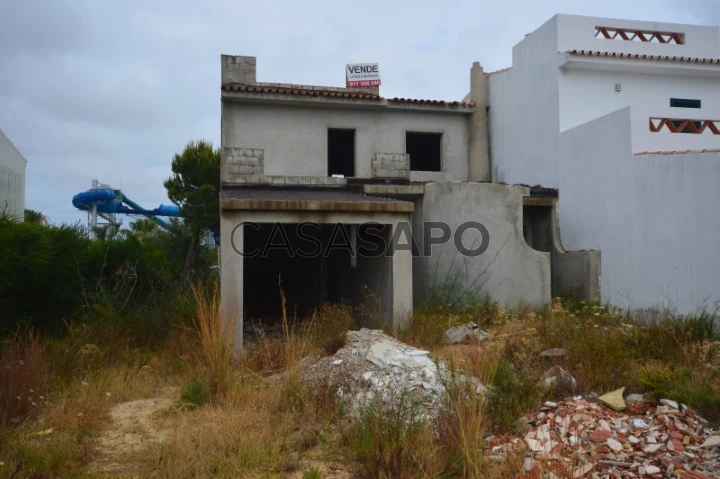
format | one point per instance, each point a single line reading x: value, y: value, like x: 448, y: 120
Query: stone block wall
x: 237, y: 164
x: 246, y: 166
x: 391, y: 165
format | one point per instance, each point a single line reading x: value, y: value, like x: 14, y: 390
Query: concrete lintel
x: 394, y: 190
x: 317, y: 205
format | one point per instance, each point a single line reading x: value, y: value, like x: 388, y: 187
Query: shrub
x: 389, y: 439
x: 510, y: 396
x: 193, y: 395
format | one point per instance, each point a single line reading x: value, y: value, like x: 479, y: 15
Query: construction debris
x: 614, y: 399
x: 559, y: 381
x: 373, y: 365
x: 579, y: 438
x: 465, y: 334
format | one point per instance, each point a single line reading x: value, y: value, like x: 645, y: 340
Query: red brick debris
x: 577, y: 438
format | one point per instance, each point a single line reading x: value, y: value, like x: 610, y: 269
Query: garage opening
x: 315, y: 264
x: 341, y: 152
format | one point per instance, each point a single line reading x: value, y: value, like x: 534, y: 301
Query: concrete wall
x: 653, y: 217
x: 586, y: 95
x: 523, y: 113
x: 12, y: 178
x: 393, y: 274
x: 294, y: 139
x: 509, y: 270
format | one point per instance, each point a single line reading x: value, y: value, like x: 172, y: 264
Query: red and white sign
x: 362, y: 75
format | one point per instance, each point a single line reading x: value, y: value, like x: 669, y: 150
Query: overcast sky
x: 111, y: 90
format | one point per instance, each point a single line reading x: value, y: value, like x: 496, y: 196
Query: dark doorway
x: 341, y: 152
x: 425, y: 150
x: 315, y: 265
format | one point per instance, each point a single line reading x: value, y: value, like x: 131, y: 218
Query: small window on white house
x: 684, y: 103
x: 425, y: 150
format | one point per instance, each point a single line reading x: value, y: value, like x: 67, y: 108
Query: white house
x: 12, y: 178
x: 623, y: 118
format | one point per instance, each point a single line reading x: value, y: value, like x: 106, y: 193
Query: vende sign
x: 362, y: 74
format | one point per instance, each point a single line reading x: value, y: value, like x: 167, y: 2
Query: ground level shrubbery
x: 107, y: 330
x: 257, y: 418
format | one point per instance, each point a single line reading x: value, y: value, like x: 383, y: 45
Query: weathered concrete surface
x: 509, y: 269
x: 12, y: 178
x: 478, y: 140
x: 294, y: 140
x: 391, y: 275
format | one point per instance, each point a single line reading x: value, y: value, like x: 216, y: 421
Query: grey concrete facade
x: 12, y: 178
x: 276, y: 169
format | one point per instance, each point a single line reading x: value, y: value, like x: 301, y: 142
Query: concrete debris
x: 468, y: 333
x: 373, y: 365
x: 559, y: 380
x: 553, y: 353
x: 614, y: 399
x: 580, y: 438
x: 635, y: 398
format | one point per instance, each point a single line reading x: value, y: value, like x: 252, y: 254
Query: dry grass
x: 216, y: 334
x: 23, y: 377
x: 241, y: 436
x: 266, y: 422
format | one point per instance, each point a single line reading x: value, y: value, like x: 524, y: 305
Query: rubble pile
x: 578, y: 438
x: 374, y: 365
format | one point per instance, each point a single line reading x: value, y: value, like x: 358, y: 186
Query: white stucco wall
x: 586, y: 95
x: 653, y: 217
x: 523, y: 113
x: 12, y: 178
x: 295, y: 139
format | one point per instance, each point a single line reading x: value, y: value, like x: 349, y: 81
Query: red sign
x: 363, y: 83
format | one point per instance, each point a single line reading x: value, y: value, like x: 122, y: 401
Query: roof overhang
x: 340, y: 102
x: 652, y: 66
x: 283, y: 199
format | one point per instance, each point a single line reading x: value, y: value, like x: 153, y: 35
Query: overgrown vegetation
x: 117, y: 322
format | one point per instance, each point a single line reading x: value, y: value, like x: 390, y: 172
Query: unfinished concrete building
x: 345, y: 195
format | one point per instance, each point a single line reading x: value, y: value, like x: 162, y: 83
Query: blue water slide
x: 114, y: 201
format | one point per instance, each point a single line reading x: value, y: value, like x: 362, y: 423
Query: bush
x: 510, y: 396
x: 51, y: 276
x: 390, y: 440
x: 194, y: 394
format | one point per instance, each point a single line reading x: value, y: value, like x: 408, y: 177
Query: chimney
x: 237, y: 69
x: 478, y: 141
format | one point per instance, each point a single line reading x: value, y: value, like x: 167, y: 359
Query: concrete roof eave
x: 569, y: 61
x: 343, y: 103
x: 390, y: 206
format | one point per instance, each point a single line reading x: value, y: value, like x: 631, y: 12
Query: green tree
x: 35, y: 217
x: 195, y: 187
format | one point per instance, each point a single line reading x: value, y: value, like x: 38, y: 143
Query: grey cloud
x: 111, y: 90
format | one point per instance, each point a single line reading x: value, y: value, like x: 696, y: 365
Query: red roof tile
x: 679, y: 152
x: 639, y: 56
x: 299, y: 91
x: 354, y: 95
